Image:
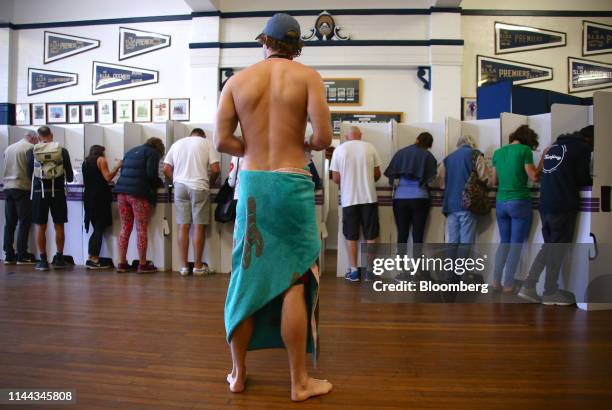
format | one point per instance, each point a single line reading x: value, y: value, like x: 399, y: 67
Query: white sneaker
x: 202, y: 271
x: 184, y: 271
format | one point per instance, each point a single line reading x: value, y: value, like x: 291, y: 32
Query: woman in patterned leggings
x: 136, y: 195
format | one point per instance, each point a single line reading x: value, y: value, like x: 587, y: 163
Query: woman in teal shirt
x: 512, y: 167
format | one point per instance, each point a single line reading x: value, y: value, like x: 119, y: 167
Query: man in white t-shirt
x: 355, y: 167
x: 186, y: 164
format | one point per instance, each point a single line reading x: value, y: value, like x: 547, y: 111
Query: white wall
x: 478, y: 33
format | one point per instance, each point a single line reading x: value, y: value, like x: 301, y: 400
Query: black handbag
x: 226, y: 204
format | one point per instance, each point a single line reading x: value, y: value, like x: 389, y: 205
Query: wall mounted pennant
x: 58, y: 46
x: 490, y: 70
x: 596, y: 38
x: 511, y: 38
x: 135, y: 42
x: 107, y: 77
x: 42, y: 81
x: 587, y: 75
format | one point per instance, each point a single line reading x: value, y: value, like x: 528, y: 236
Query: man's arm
x: 227, y: 121
x: 336, y: 177
x: 377, y: 173
x: 30, y: 161
x: 215, y: 171
x: 67, y: 165
x: 319, y: 115
x: 168, y: 171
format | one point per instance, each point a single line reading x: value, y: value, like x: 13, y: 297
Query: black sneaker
x: 59, y: 262
x: 10, y: 259
x: 42, y: 265
x: 27, y: 259
x: 96, y: 265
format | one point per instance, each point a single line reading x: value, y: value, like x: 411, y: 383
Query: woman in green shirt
x: 512, y: 168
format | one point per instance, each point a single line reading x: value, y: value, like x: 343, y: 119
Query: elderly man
x: 18, y: 206
x: 454, y: 173
x: 355, y: 167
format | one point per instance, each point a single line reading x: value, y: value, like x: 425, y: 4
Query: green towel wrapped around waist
x: 275, y: 242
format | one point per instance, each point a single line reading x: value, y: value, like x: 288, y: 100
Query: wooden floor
x: 158, y: 341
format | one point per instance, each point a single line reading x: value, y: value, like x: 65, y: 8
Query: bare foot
x: 313, y: 387
x: 236, y: 384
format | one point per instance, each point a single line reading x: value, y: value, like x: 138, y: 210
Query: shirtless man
x: 272, y: 101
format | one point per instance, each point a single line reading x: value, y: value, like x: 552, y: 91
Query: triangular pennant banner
x: 491, y: 70
x: 58, y: 46
x: 586, y: 75
x: 135, y: 42
x: 510, y: 38
x: 112, y: 77
x: 596, y: 38
x: 42, y: 81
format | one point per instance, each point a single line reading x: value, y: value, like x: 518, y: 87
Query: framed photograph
x: 23, y: 115
x: 468, y: 108
x: 343, y: 91
x: 74, y: 116
x: 88, y: 113
x: 39, y: 114
x: 511, y: 38
x: 105, y: 111
x: 56, y: 113
x: 160, y: 109
x: 142, y: 110
x: 124, y: 111
x: 179, y: 109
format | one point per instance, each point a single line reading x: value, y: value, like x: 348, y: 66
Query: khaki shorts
x: 192, y: 205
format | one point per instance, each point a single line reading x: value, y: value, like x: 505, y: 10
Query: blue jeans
x: 461, y: 227
x: 514, y: 221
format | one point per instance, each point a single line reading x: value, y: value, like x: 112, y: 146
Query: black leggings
x: 411, y: 212
x: 95, y: 240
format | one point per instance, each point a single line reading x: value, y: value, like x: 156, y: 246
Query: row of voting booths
x: 594, y: 221
x: 162, y: 235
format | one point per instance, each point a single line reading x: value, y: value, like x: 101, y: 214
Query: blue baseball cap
x: 280, y: 26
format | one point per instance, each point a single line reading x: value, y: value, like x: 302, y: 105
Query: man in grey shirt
x: 18, y: 206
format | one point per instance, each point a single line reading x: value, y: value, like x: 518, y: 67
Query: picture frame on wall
x: 343, y: 91
x: 160, y: 111
x: 88, y: 113
x: 105, y: 111
x: 39, y: 114
x: 56, y: 113
x: 179, y: 109
x: 23, y: 114
x: 142, y: 110
x: 124, y: 111
x: 74, y: 115
x: 468, y: 108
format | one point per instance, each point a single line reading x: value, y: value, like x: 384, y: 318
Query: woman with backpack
x: 512, y: 168
x: 98, y: 197
x: 136, y: 192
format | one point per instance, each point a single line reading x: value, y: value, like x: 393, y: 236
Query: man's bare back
x: 272, y: 100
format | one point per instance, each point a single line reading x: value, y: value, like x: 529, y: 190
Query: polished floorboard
x: 158, y: 342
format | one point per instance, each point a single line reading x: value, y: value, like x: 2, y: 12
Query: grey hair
x: 466, y: 140
x: 31, y: 134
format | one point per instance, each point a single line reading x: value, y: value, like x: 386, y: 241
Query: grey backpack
x: 48, y: 165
